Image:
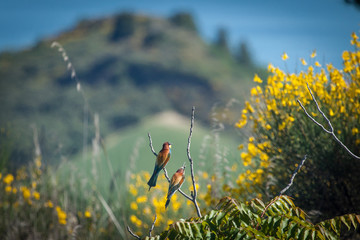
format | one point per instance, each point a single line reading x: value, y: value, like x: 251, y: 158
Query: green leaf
x: 343, y: 220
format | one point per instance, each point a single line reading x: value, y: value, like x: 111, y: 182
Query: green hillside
x: 130, y: 66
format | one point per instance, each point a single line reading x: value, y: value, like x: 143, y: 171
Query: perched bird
x: 176, y: 181
x: 161, y: 160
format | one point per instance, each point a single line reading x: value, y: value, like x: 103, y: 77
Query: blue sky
x: 268, y: 27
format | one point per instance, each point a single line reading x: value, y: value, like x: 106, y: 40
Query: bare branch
x: 133, y: 234
x: 166, y: 175
x: 193, y: 194
x: 284, y: 190
x: 151, y: 145
x: 331, y: 131
x: 293, y: 176
x: 152, y: 226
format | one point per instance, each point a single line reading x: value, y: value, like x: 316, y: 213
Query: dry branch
x: 193, y: 196
x: 331, y: 131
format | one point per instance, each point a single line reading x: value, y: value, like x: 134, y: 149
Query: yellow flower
x: 175, y: 205
x: 354, y: 131
x: 303, y: 62
x: 135, y: 220
x: 271, y: 68
x: 284, y: 56
x: 8, y: 179
x: 26, y: 193
x: 291, y: 119
x: 313, y: 54
x: 242, y: 122
x: 33, y: 184
x: 133, y: 190
x: 14, y: 190
x: 87, y: 214
x: 354, y: 36
x: 331, y: 112
x: 267, y: 127
x: 253, y: 92
x: 257, y: 79
x: 317, y: 64
x: 249, y: 107
x: 252, y: 149
x: 246, y: 158
x: 49, y: 204
x: 61, y: 215
x: 264, y: 157
x: 133, y: 206
x: 205, y: 175
x: 346, y: 56
x: 36, y: 195
x: 241, y: 146
x: 8, y: 189
x: 141, y: 199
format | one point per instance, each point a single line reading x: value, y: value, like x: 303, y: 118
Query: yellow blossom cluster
x: 272, y: 109
x: 23, y: 193
x: 61, y: 215
x: 144, y: 204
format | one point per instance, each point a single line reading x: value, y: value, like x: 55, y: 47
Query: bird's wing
x: 162, y: 159
x: 175, y: 183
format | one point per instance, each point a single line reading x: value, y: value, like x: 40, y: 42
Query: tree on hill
x: 243, y: 55
x: 124, y: 26
x: 221, y: 39
x: 185, y: 20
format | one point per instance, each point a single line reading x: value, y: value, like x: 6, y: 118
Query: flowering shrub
x: 282, y: 135
x: 33, y: 207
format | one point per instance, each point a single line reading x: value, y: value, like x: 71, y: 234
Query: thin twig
x: 194, y: 193
x: 293, y: 176
x: 151, y: 145
x: 133, y: 234
x: 284, y: 190
x: 331, y: 131
x: 165, y: 171
x: 152, y: 226
x: 266, y: 208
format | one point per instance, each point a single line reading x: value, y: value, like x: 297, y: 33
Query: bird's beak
x: 184, y: 165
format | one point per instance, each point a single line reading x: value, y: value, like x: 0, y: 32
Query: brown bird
x: 176, y: 181
x: 161, y: 160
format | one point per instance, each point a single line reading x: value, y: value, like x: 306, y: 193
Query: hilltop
x: 130, y: 66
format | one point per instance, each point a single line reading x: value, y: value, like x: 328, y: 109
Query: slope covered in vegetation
x: 130, y: 66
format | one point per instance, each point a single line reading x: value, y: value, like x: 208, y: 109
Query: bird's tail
x: 167, y: 203
x: 153, y: 179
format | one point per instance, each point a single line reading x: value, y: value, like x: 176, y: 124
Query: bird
x: 176, y: 181
x: 161, y: 160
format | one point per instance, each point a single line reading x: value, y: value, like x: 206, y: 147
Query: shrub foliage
x: 281, y: 134
x: 280, y: 219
